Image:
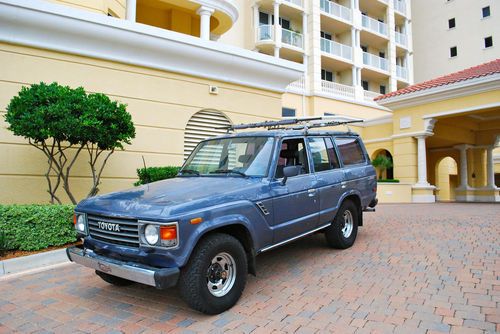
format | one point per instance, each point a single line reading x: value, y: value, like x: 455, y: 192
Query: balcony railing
x: 375, y: 61
x: 292, y: 38
x: 336, y: 49
x: 337, y: 89
x: 401, y: 39
x: 400, y: 6
x: 298, y: 86
x: 265, y: 32
x: 369, y: 95
x: 336, y: 10
x: 295, y: 2
x: 402, y: 72
x: 374, y: 25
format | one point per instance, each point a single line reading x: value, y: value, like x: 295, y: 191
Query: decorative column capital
x: 204, y: 10
x: 429, y: 124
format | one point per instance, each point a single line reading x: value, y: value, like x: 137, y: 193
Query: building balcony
x: 368, y: 95
x: 292, y: 38
x: 401, y: 73
x: 265, y: 33
x: 298, y: 87
x: 375, y: 61
x: 401, y: 39
x: 374, y: 26
x: 335, y: 10
x: 400, y: 7
x: 298, y: 3
x: 336, y: 49
x: 336, y: 89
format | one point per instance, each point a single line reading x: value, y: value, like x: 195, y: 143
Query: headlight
x: 151, y: 234
x: 80, y: 223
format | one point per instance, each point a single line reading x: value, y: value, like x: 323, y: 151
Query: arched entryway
x: 202, y: 125
x: 446, y: 176
x: 382, y: 172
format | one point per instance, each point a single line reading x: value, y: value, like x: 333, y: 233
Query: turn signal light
x: 74, y: 219
x: 195, y: 221
x: 168, y: 232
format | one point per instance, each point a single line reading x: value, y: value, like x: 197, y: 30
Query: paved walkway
x: 413, y: 269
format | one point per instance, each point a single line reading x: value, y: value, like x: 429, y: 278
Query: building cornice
x: 445, y: 92
x: 60, y: 28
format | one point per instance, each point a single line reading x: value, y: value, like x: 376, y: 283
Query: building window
x: 263, y: 18
x: 453, y: 51
x: 486, y: 11
x: 488, y: 42
x: 364, y: 48
x: 364, y: 83
x: 382, y: 89
x: 381, y: 54
x: 326, y: 35
x: 451, y: 23
x: 285, y: 24
x: 287, y: 112
x: 327, y: 75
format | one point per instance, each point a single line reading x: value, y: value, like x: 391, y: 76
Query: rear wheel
x: 342, y: 232
x: 215, y: 275
x: 118, y: 281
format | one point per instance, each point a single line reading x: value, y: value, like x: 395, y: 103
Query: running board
x: 265, y: 249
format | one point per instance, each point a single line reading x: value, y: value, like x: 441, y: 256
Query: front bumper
x: 161, y: 278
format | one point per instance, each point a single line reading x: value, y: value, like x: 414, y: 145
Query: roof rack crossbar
x: 270, y: 124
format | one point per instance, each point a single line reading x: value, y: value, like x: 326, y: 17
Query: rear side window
x: 323, y: 154
x: 350, y: 151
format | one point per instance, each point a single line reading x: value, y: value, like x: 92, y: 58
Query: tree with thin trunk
x: 381, y: 163
x: 62, y: 123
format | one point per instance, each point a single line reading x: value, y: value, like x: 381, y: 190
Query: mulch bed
x: 19, y: 253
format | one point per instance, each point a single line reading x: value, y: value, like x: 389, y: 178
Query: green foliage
x: 54, y: 117
x: 381, y: 162
x: 388, y: 180
x: 34, y: 227
x: 3, y: 243
x: 152, y: 174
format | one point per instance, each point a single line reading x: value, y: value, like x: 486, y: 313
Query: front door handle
x: 311, y: 192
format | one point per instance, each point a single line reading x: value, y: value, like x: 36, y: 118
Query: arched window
x: 202, y: 125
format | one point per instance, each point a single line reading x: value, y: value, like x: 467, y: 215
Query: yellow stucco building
x: 186, y: 67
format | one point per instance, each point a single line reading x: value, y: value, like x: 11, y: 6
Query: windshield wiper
x: 228, y: 171
x: 189, y: 171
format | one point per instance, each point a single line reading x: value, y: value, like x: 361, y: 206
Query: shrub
x: 152, y: 174
x: 381, y: 162
x: 388, y: 180
x: 34, y: 227
x: 3, y: 246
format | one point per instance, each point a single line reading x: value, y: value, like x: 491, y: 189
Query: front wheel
x: 342, y: 232
x: 215, y: 275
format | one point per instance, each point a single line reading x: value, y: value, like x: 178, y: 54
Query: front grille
x: 127, y: 236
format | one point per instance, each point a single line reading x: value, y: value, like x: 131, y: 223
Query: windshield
x: 244, y: 156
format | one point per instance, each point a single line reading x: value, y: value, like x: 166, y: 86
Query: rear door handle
x: 343, y: 184
x: 311, y: 192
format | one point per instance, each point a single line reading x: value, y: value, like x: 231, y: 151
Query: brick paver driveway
x: 413, y: 269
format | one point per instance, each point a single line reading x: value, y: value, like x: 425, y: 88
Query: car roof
x: 280, y: 133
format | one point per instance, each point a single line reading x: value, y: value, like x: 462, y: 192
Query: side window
x: 293, y: 153
x: 323, y: 154
x: 350, y: 151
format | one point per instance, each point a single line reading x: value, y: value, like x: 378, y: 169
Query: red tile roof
x: 470, y: 73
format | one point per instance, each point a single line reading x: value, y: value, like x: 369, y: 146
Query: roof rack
x: 304, y: 123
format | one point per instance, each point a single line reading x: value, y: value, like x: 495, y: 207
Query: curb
x: 35, y: 261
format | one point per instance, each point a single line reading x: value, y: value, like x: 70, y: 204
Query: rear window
x: 350, y: 151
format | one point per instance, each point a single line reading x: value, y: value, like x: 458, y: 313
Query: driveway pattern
x: 414, y: 269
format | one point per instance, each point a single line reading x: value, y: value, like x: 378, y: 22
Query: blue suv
x: 236, y: 196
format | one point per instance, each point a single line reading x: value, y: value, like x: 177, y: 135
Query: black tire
x: 334, y: 234
x: 118, y: 281
x: 194, y: 279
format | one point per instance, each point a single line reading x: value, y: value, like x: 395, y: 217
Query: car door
x: 329, y: 177
x: 354, y: 161
x: 296, y: 203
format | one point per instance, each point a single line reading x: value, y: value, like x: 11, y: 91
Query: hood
x: 175, y: 196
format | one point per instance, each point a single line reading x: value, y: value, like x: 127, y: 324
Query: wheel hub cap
x: 348, y: 224
x: 221, y: 274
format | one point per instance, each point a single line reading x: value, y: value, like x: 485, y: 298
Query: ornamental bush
x: 34, y: 227
x: 152, y: 174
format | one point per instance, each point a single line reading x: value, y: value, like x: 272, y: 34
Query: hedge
x: 388, y: 181
x: 152, y: 174
x: 34, y: 227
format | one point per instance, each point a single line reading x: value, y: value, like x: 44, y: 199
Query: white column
x: 256, y: 21
x: 304, y: 30
x: 490, y: 170
x: 277, y: 29
x: 463, y: 166
x: 422, y: 162
x: 205, y: 13
x: 131, y: 10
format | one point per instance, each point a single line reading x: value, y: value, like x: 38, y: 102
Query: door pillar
x: 131, y: 10
x: 205, y: 13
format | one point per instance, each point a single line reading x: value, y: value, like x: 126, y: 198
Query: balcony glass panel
x: 401, y: 38
x: 401, y: 72
x: 295, y: 2
x: 374, y: 25
x: 336, y: 10
x: 265, y: 32
x: 292, y: 38
x: 337, y: 49
x: 400, y: 6
x: 375, y: 61
x: 337, y: 89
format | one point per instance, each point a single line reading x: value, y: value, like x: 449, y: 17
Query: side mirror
x: 290, y: 171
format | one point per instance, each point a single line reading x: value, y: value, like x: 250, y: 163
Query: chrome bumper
x: 159, y: 278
